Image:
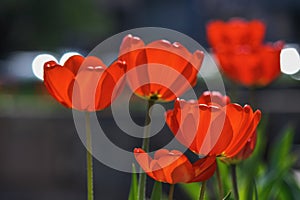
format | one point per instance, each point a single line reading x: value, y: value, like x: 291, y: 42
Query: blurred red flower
x: 174, y: 167
x: 85, y: 84
x: 159, y: 70
x: 234, y: 34
x: 242, y: 56
x: 214, y: 126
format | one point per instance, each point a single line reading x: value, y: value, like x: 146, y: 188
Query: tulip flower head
x: 160, y: 70
x: 213, y: 98
x: 243, y: 121
x: 84, y: 84
x: 205, y: 129
x: 174, y: 167
x: 242, y: 55
x: 224, y: 129
x: 244, y: 153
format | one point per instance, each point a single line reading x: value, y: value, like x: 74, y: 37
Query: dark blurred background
x: 41, y: 156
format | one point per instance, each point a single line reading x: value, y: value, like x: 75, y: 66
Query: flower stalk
x: 89, y: 157
x: 234, y: 181
x: 145, y: 146
x: 171, y: 191
x: 146, y: 139
x: 202, y: 190
x: 220, y: 185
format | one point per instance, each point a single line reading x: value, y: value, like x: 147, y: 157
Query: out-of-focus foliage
x: 260, y: 176
x: 52, y: 24
x: 134, y: 185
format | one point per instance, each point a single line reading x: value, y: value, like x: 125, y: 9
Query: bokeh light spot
x: 66, y: 56
x: 289, y: 61
x: 38, y: 64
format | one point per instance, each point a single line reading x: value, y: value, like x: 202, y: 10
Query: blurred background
x: 41, y: 156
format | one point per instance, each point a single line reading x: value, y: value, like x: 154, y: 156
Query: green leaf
x: 255, y: 189
x: 156, y: 191
x: 251, y: 167
x: 227, y: 196
x: 133, y: 194
x: 285, y: 191
x: 225, y: 175
x: 281, y: 162
x: 191, y: 189
x: 292, y: 183
x: 281, y: 149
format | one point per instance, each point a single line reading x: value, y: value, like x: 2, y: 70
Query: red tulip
x: 159, y: 70
x: 213, y: 98
x: 243, y: 121
x: 242, y: 56
x: 204, y: 129
x: 247, y: 150
x: 84, y: 84
x: 174, y: 167
x: 214, y: 127
x: 234, y: 34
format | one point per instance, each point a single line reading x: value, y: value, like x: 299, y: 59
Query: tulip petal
x: 221, y: 134
x: 58, y: 80
x: 271, y: 62
x: 86, y: 91
x: 204, y: 169
x: 257, y: 29
x: 247, y: 66
x: 143, y: 159
x: 167, y: 166
x: 74, y: 63
x: 159, y: 70
x: 213, y: 98
x: 203, y: 129
x: 157, y: 172
x: 162, y: 58
x: 110, y: 84
x: 242, y: 56
x: 183, y: 172
x: 214, y: 34
x: 176, y: 167
x: 247, y: 150
x: 244, y: 123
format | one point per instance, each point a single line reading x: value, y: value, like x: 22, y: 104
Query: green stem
x: 220, y: 185
x: 234, y: 181
x: 171, y: 191
x: 255, y: 190
x: 89, y: 158
x: 202, y: 190
x: 146, y: 141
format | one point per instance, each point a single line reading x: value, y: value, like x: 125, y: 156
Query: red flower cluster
x: 238, y: 46
x: 211, y: 126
